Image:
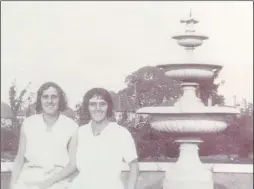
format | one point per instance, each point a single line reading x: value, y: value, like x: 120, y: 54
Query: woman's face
x: 98, y: 108
x: 50, y: 101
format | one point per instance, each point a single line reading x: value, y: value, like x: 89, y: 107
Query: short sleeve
x: 27, y: 124
x: 129, y: 147
x: 74, y: 128
x: 71, y: 125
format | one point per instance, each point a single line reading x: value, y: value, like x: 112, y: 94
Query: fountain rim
x: 188, y: 140
x: 190, y: 36
x: 216, y: 67
x: 171, y: 110
x: 189, y: 20
x: 190, y: 64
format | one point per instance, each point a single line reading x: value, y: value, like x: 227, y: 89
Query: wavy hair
x: 62, y: 101
x: 104, y: 94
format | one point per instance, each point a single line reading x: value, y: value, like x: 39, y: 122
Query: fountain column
x: 188, y: 172
x: 189, y: 117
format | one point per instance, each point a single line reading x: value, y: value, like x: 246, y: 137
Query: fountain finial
x: 190, y: 40
x: 190, y: 19
x: 189, y: 23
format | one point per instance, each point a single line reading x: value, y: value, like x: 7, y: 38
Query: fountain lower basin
x: 188, y: 120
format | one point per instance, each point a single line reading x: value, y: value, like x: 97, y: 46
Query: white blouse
x: 100, y: 158
x: 47, y: 149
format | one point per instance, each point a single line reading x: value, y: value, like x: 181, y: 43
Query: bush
x: 237, y: 139
x: 10, y: 135
x: 9, y: 140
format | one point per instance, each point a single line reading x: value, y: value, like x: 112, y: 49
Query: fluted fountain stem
x: 189, y: 98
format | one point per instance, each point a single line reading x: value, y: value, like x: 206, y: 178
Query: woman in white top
x: 102, y: 147
x: 45, y: 147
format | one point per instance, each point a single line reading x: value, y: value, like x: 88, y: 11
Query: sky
x: 82, y: 44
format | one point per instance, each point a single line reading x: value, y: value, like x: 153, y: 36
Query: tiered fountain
x: 189, y: 117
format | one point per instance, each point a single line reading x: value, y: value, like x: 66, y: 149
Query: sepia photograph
x: 126, y: 94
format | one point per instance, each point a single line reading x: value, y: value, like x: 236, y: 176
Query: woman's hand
x: 45, y: 184
x: 40, y: 185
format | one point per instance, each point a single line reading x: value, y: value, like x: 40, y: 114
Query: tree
x: 236, y: 139
x: 148, y: 85
x: 244, y: 135
x: 17, y: 103
x: 209, y: 89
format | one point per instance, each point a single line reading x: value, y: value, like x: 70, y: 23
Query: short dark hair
x: 104, y: 94
x: 62, y: 96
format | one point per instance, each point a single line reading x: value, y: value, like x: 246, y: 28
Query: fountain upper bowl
x: 194, y: 72
x: 190, y: 40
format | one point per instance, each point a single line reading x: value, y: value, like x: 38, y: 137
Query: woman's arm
x: 134, y: 173
x: 19, y: 159
x: 68, y: 170
x: 130, y: 156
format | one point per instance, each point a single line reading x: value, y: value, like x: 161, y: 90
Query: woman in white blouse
x: 103, y: 147
x: 45, y: 147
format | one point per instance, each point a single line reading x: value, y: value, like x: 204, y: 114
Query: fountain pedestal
x: 189, y: 98
x: 188, y: 172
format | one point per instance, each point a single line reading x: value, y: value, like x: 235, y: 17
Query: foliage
x: 210, y: 89
x: 149, y: 85
x: 17, y: 101
x: 9, y: 140
x: 80, y: 117
x: 151, y: 143
x: 236, y: 139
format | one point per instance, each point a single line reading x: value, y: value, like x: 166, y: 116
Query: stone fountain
x: 189, y: 117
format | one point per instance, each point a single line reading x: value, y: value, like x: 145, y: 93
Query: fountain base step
x: 188, y: 177
x: 187, y: 185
